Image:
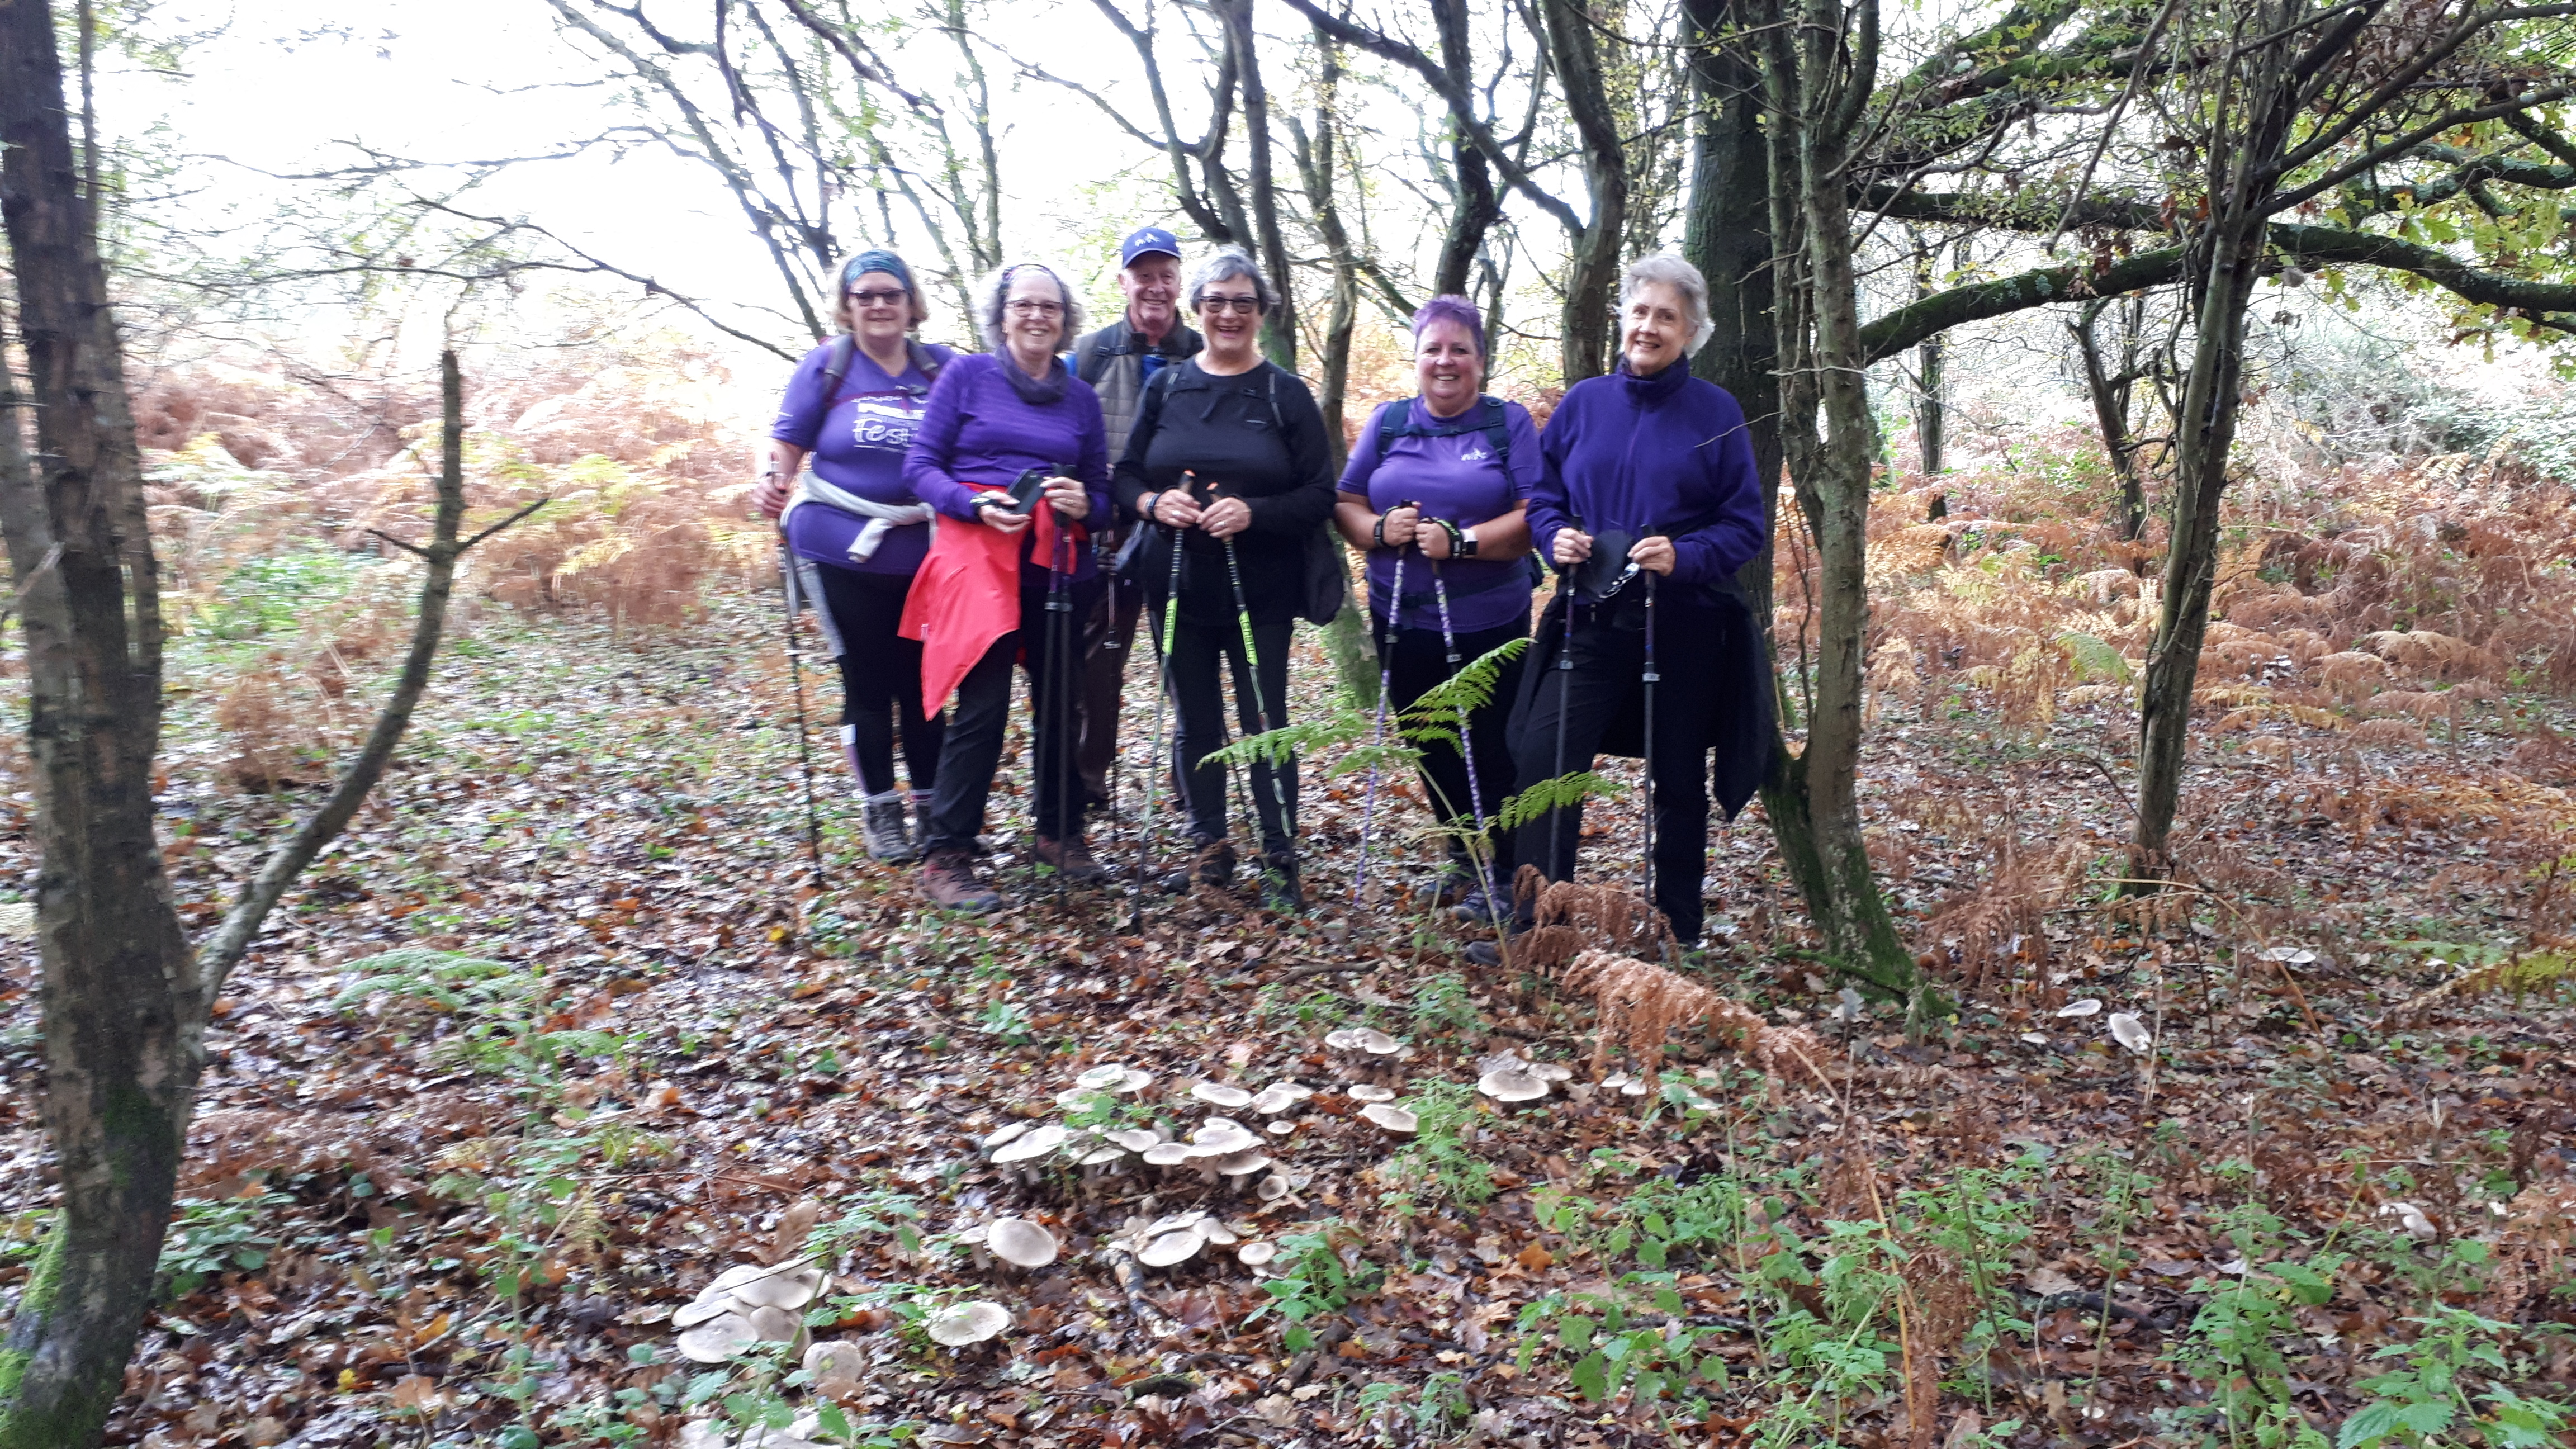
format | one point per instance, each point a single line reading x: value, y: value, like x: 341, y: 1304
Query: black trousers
x: 983, y: 716
x: 1605, y: 684
x: 1108, y: 633
x: 1416, y: 662
x: 1199, y: 700
x: 880, y: 679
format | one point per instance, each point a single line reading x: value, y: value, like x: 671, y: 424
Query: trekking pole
x: 1155, y: 763
x: 1649, y: 680
x: 1385, y: 683
x: 1059, y: 613
x: 1252, y: 662
x: 1564, y: 705
x: 1466, y: 739
x: 796, y: 672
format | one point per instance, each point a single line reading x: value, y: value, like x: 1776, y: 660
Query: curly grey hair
x: 997, y: 290
x: 1225, y: 266
x: 1665, y: 269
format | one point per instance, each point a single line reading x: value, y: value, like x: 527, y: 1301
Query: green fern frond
x: 1282, y: 745
x: 1562, y: 793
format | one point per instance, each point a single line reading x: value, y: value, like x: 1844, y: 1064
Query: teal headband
x: 876, y: 259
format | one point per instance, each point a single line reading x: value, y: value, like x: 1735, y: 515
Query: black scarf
x: 1037, y: 392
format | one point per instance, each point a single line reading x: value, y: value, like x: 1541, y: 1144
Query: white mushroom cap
x: 718, y: 1339
x: 1282, y: 1127
x: 1103, y: 1156
x: 1135, y: 1081
x: 1366, y: 1092
x: 1019, y: 1241
x: 1219, y: 1234
x: 835, y: 1358
x: 1242, y: 1164
x: 1552, y: 1072
x: 1221, y: 1095
x: 1036, y: 1144
x: 1168, y: 1154
x: 775, y: 1325
x: 1253, y: 1255
x: 1273, y: 1188
x: 1344, y: 1040
x: 2085, y: 1007
x: 1005, y: 1133
x: 2130, y: 1032
x: 1169, y: 1223
x: 1511, y: 1086
x: 1103, y: 1079
x: 2411, y: 1218
x: 713, y: 1303
x: 964, y: 1323
x: 1222, y: 1141
x: 1135, y: 1139
x: 1393, y: 1118
x: 789, y: 1287
x: 1080, y: 1099
x: 1377, y: 1043
x: 1278, y: 1097
x: 1166, y: 1249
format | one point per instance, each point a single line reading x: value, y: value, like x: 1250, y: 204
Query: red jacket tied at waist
x: 967, y: 595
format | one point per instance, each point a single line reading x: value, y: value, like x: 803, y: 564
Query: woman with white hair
x: 995, y: 421
x: 1230, y: 457
x: 1648, y: 505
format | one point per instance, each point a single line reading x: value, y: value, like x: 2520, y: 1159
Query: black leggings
x: 1200, y: 702
x: 1416, y: 663
x: 880, y: 679
x: 984, y: 717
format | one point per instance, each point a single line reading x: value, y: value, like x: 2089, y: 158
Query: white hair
x: 1225, y: 266
x: 997, y: 290
x: 1665, y: 269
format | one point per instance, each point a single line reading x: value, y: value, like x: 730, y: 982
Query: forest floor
x: 561, y: 1031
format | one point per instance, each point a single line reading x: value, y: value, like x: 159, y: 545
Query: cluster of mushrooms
x: 2126, y: 1028
x: 1222, y: 1150
x: 748, y: 1304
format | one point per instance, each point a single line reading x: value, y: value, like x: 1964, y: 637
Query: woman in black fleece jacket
x: 1229, y: 449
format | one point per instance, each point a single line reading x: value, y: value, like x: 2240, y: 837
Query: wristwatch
x: 1467, y: 544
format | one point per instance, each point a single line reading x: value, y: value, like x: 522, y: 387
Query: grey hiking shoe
x: 881, y: 827
x: 948, y: 878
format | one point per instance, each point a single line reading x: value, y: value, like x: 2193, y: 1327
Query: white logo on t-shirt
x: 1474, y: 454
x: 883, y: 421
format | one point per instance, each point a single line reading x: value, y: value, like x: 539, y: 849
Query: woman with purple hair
x: 1433, y: 494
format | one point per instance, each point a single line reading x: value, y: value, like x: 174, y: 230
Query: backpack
x: 1395, y: 420
x: 845, y: 351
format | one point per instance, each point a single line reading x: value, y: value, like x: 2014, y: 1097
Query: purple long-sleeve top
x: 855, y: 440
x: 1666, y: 452
x: 1460, y: 477
x: 976, y: 434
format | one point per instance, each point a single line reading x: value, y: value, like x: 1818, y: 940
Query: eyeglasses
x: 878, y: 297
x: 1248, y: 306
x: 1035, y: 309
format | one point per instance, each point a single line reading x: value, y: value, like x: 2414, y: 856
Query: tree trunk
x: 1592, y: 271
x: 1473, y: 207
x: 120, y: 986
x: 2110, y: 391
x: 1930, y: 416
x: 1279, y: 324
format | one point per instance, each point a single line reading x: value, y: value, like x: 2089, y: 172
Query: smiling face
x: 878, y: 308
x: 1446, y: 365
x: 1033, y: 314
x: 1230, y: 315
x: 1654, y: 328
x: 1153, y: 286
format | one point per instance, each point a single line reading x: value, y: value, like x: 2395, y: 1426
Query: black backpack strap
x: 845, y: 348
x: 1395, y: 420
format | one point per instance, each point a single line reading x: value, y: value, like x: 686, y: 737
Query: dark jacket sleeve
x: 1128, y: 482
x: 1091, y: 469
x: 1304, y: 507
x: 1549, y: 509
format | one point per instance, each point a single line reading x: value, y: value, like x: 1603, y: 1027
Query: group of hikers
x: 954, y: 514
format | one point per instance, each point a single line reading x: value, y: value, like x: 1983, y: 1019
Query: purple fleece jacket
x: 1636, y: 452
x: 976, y: 434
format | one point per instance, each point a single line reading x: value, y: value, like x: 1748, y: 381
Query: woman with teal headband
x: 857, y: 531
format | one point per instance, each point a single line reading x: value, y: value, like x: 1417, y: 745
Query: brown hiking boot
x: 1212, y: 865
x: 1072, y: 857
x: 948, y: 878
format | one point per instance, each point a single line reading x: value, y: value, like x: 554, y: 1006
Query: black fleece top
x: 1257, y: 436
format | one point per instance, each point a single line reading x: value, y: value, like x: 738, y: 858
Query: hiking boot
x: 1071, y: 856
x: 1212, y: 866
x: 881, y: 827
x: 1490, y: 953
x: 948, y: 878
x: 1279, y: 888
x: 1472, y: 899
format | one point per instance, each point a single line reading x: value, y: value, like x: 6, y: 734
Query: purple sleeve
x: 1528, y: 463
x: 801, y: 411
x: 1362, y: 464
x: 1547, y: 506
x: 1092, y: 469
x: 934, y: 443
x: 1715, y: 551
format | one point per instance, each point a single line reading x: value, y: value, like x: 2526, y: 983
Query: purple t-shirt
x: 856, y: 443
x: 1457, y: 478
x: 976, y: 433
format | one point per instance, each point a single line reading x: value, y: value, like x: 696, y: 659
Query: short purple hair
x: 1450, y: 307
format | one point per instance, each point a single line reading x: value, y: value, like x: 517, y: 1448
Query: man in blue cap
x: 1118, y: 360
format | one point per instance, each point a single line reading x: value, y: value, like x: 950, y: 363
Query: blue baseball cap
x: 1145, y: 241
